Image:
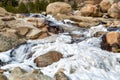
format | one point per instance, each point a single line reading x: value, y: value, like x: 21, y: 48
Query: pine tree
x: 51, y: 1
x: 4, y: 2
x: 61, y: 0
x: 37, y: 6
x: 14, y: 3
x: 74, y: 6
x: 22, y: 8
x: 43, y: 5
x: 11, y: 9
x: 31, y: 7
x: 0, y: 4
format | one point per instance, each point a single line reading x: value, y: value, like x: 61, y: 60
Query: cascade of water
x: 85, y: 57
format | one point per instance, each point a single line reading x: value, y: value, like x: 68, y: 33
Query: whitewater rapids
x: 86, y: 59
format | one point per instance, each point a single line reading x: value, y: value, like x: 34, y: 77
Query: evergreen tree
x: 22, y: 8
x: 51, y: 1
x: 4, y: 2
x: 9, y: 3
x: 74, y: 6
x: 61, y: 0
x: 43, y: 5
x: 10, y: 8
x: 0, y: 4
x: 37, y: 6
x: 14, y: 3
x: 31, y: 7
x: 56, y: 1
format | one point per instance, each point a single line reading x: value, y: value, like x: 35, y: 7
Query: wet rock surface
x: 3, y: 12
x: 3, y: 77
x: 74, y: 46
x: 19, y: 74
x: 111, y: 42
x: 114, y: 11
x: 16, y: 72
x: 48, y: 58
x: 60, y: 76
x: 9, y: 40
x: 105, y: 5
x: 90, y: 10
x: 58, y: 7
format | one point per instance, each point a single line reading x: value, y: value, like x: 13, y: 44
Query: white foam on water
x: 5, y: 57
x: 85, y: 58
x: 81, y: 61
x: 95, y: 29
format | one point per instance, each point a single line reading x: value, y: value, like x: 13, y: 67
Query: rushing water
x: 88, y: 60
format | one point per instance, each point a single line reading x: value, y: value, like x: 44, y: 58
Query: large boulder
x: 9, y: 40
x: 37, y: 22
x: 90, y: 10
x: 3, y: 12
x: 33, y: 75
x: 19, y: 74
x: 48, y: 58
x: 33, y: 34
x: 3, y: 77
x: 60, y: 76
x: 16, y: 72
x: 115, y: 23
x: 37, y: 34
x: 111, y: 41
x: 114, y: 11
x: 23, y: 30
x: 113, y: 37
x: 58, y: 7
x: 85, y: 22
x: 92, y: 1
x: 105, y: 5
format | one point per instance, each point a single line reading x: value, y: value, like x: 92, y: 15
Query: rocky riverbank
x: 61, y: 43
